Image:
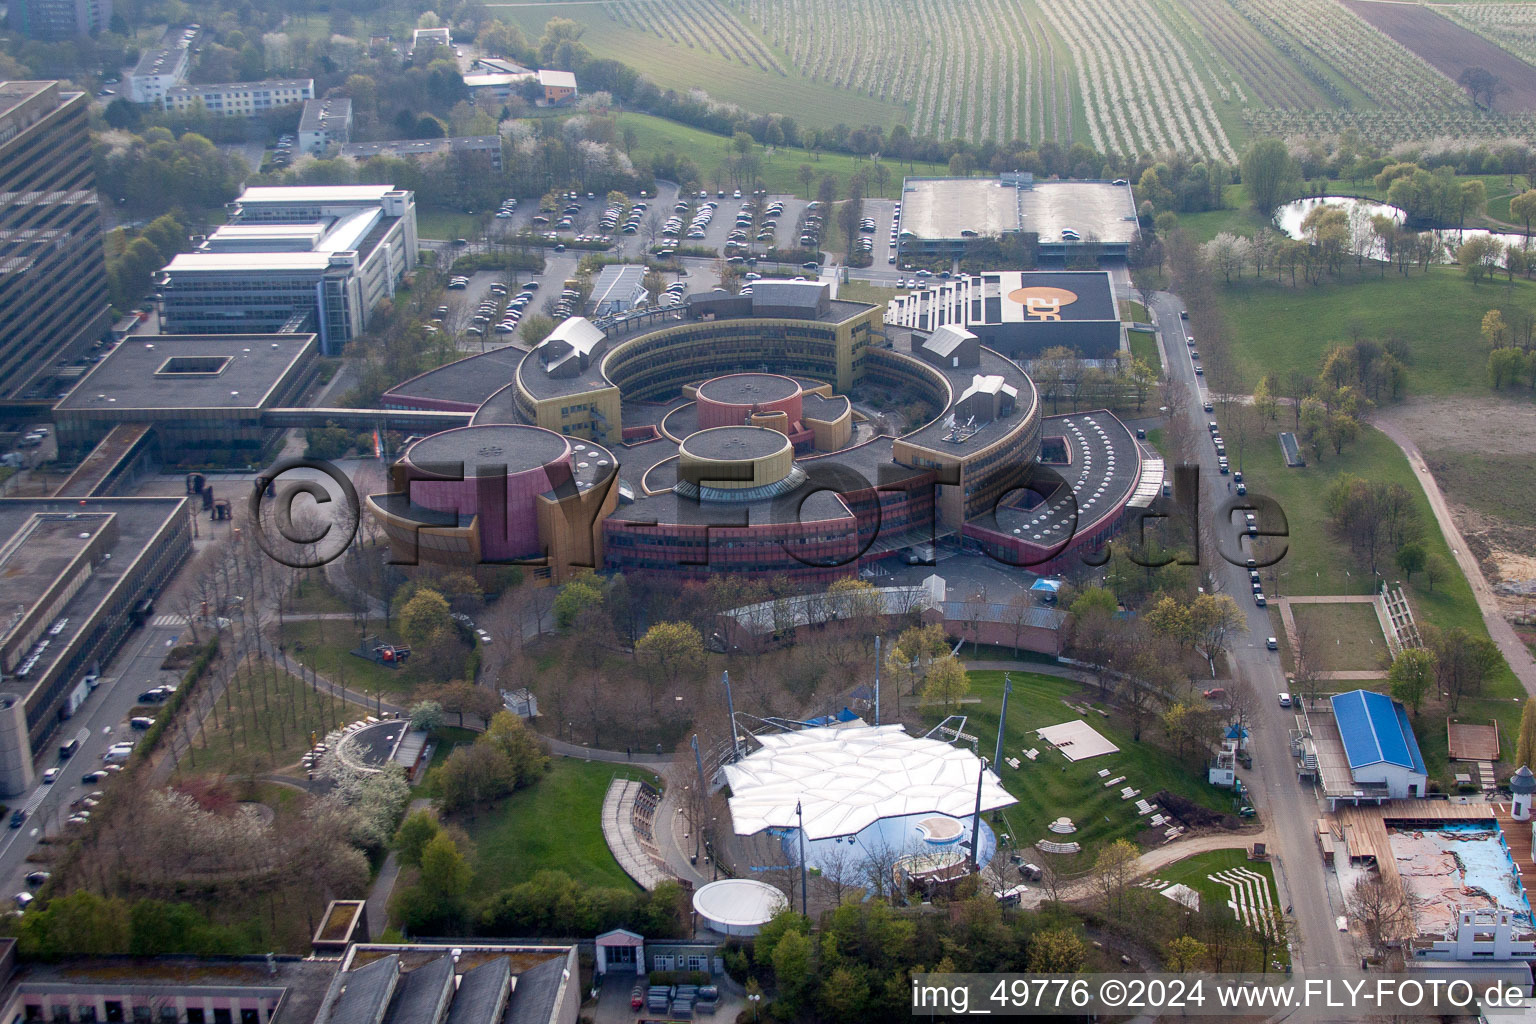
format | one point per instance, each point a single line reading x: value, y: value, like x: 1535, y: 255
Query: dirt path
x: 1503, y: 634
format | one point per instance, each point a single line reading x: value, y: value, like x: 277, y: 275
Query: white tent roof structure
x: 847, y: 778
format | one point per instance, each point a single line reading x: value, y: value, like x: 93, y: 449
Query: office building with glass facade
x: 307, y: 258
x: 53, y: 283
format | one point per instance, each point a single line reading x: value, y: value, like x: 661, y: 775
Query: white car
x: 1285, y: 700
x: 50, y: 775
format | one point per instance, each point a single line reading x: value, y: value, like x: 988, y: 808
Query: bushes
x: 531, y: 262
x: 173, y: 706
x: 552, y: 903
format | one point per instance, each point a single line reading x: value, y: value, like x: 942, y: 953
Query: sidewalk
x: 384, y: 885
x: 1515, y: 652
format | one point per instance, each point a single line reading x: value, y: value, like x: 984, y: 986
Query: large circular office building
x: 723, y: 435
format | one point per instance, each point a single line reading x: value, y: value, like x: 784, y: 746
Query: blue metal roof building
x: 1379, y: 743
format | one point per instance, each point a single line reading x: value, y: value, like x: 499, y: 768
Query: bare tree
x: 1382, y: 909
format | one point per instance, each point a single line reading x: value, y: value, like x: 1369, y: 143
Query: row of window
x: 113, y: 1012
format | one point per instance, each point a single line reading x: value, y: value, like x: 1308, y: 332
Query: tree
x: 1463, y: 660
x: 1523, y: 206
x: 1056, y: 951
x: 425, y: 620
x: 1436, y: 567
x: 535, y: 328
x: 1479, y: 256
x: 81, y: 923
x: 1213, y: 617
x: 792, y: 966
x: 1381, y: 909
x: 1095, y: 631
x: 1411, y: 675
x: 417, y: 830
x: 426, y: 715
x: 1269, y: 174
x: 465, y: 698
x: 580, y: 594
x: 1411, y: 558
x: 1482, y: 86
x: 1525, y: 745
x: 1113, y: 871
x: 1494, y: 330
x: 947, y: 682
x: 669, y: 649
x: 1185, y: 954
x: 806, y: 174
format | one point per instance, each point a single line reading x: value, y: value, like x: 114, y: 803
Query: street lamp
x: 754, y: 998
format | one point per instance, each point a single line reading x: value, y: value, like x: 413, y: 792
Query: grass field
x: 1133, y: 311
x: 1278, y: 328
x: 554, y: 824
x: 1144, y: 347
x: 780, y: 169
x: 675, y: 66
x: 1345, y: 637
x: 1052, y: 786
x: 444, y: 225
x: 860, y: 291
x: 314, y: 594
x: 260, y: 727
x: 1195, y: 872
x: 1502, y: 486
x: 325, y: 647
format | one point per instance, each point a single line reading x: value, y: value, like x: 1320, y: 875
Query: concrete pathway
x: 1515, y: 652
x: 384, y: 884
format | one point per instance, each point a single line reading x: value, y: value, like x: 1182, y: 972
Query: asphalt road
x: 105, y: 716
x: 1290, y: 806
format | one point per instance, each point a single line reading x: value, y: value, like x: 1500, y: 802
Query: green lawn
x: 1195, y: 872
x: 1276, y: 328
x: 446, y: 225
x: 556, y: 824
x: 1347, y: 637
x: 1144, y: 347
x: 313, y: 594
x: 265, y: 725
x: 325, y: 645
x: 780, y: 169
x: 1133, y: 311
x: 676, y: 66
x: 859, y: 291
x: 1052, y: 786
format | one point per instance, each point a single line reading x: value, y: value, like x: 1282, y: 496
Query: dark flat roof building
x: 73, y: 573
x: 1020, y: 313
x: 53, y: 281
x: 203, y: 394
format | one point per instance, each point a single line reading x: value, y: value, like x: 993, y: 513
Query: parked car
x: 50, y: 776
x: 17, y: 817
x: 1285, y: 700
x: 37, y: 878
x: 1214, y: 693
x: 1272, y: 644
x: 140, y: 722
x: 91, y: 778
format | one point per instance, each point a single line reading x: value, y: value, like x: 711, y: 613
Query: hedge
x: 172, y: 706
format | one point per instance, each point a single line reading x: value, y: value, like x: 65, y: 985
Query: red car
x: 637, y: 998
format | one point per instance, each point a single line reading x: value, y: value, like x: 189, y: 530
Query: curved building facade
x: 727, y: 441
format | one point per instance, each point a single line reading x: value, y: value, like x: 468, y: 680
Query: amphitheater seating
x: 1048, y: 846
x: 626, y: 806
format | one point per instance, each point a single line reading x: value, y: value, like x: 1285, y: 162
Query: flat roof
x: 284, y: 194
x: 34, y: 558
x: 14, y: 93
x: 317, y: 112
x: 270, y: 83
x: 738, y: 901
x: 135, y: 376
x: 733, y: 444
x: 219, y: 262
x: 617, y: 280
x: 748, y: 388
x: 137, y: 521
x: 954, y: 208
x: 558, y: 79
x: 469, y: 382
x: 934, y: 435
x: 1103, y: 468
x: 518, y: 447
x: 1029, y: 297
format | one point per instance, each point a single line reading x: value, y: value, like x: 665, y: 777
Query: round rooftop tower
x: 736, y: 464
x: 739, y: 398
